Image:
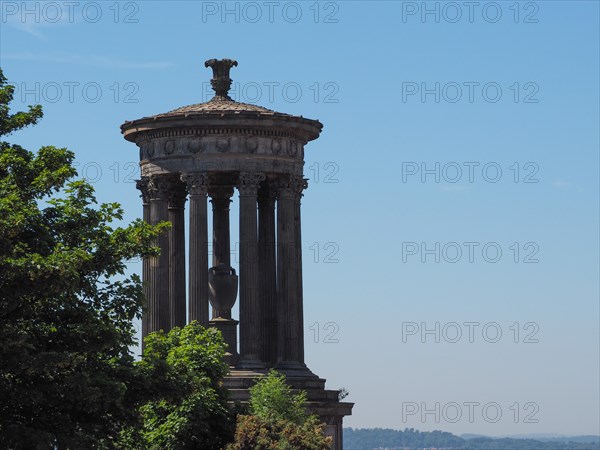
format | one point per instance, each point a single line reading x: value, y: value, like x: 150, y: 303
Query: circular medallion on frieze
x: 149, y: 148
x: 222, y: 144
x: 251, y: 144
x: 292, y: 148
x: 276, y: 146
x: 195, y: 146
x: 169, y: 147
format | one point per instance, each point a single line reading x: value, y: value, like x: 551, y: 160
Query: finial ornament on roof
x: 220, y: 82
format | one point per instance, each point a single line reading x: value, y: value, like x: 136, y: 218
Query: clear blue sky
x: 517, y: 90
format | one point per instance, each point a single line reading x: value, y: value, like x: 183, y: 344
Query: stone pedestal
x: 228, y: 329
x: 223, y: 288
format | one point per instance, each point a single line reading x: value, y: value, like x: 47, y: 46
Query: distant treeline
x: 411, y: 439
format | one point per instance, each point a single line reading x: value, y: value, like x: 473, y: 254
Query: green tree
x: 188, y: 408
x: 67, y: 378
x: 255, y: 433
x: 278, y: 419
x: 272, y: 399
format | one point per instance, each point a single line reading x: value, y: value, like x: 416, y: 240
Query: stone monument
x: 206, y: 151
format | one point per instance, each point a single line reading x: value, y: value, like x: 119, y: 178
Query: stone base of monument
x: 228, y: 329
x: 322, y: 402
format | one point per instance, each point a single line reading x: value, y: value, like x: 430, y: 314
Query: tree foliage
x: 278, y: 419
x: 188, y: 406
x: 272, y: 399
x: 13, y: 122
x: 257, y: 433
x: 67, y: 378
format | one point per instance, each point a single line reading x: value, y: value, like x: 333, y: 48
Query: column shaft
x: 289, y: 311
x: 198, y: 259
x: 250, y: 305
x: 220, y: 199
x: 177, y: 295
x: 159, y: 317
x: 267, y: 263
x: 300, y: 185
x: 142, y: 185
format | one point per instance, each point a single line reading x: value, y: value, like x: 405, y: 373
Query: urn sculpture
x: 222, y: 290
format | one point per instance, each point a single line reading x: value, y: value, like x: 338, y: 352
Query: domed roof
x: 222, y: 109
x: 219, y: 105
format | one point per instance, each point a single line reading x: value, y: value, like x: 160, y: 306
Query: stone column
x: 299, y: 185
x: 250, y: 305
x: 290, y: 351
x: 142, y: 185
x: 267, y: 264
x: 177, y: 197
x: 220, y: 199
x: 198, y: 260
x: 159, y: 314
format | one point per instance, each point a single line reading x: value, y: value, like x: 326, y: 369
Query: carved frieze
x: 282, y: 149
x: 195, y: 146
x: 169, y: 147
x: 148, y: 149
x: 292, y: 148
x: 276, y: 146
x: 223, y: 144
x: 251, y: 144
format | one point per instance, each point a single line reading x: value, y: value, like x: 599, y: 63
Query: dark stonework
x: 197, y: 185
x: 159, y: 311
x: 267, y: 263
x: 142, y: 185
x: 177, y: 197
x: 300, y: 185
x: 220, y: 81
x: 205, y: 151
x: 290, y: 352
x: 220, y: 198
x: 250, y: 304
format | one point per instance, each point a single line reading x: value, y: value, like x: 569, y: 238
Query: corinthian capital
x: 157, y: 187
x: 167, y: 187
x: 299, y: 184
x: 248, y: 182
x: 197, y: 183
x: 290, y: 186
x: 143, y: 186
x: 176, y: 193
